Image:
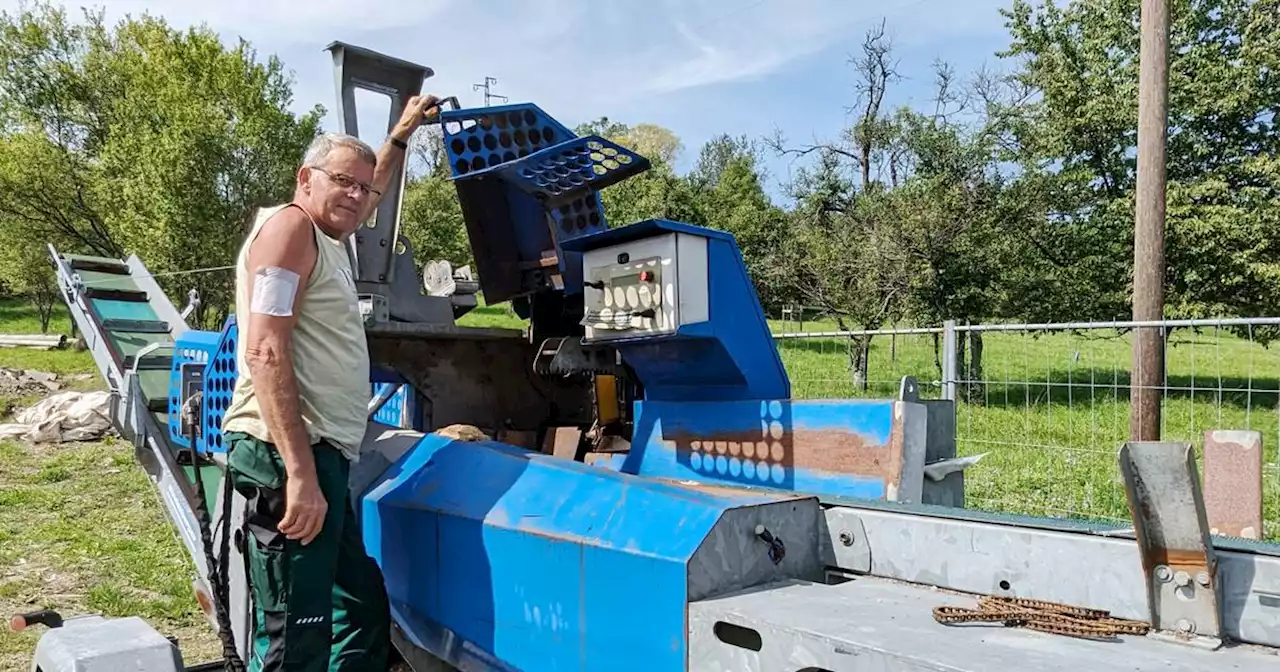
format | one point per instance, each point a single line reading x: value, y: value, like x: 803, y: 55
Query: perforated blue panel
x: 568, y: 167
x: 219, y: 383
x: 476, y: 139
x: 396, y: 412
x: 194, y: 347
x: 542, y: 168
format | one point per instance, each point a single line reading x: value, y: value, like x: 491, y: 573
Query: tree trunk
x: 974, y: 390
x: 43, y: 294
x: 859, y: 351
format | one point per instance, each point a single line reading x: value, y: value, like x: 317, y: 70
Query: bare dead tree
x: 866, y: 142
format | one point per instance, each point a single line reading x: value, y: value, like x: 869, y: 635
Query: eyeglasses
x: 347, y: 182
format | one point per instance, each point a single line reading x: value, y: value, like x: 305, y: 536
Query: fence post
x: 949, y: 364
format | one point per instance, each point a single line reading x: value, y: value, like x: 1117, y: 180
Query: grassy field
x: 1052, y: 410
x: 82, y: 530
x: 81, y: 527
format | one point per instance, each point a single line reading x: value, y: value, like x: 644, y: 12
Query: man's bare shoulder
x: 286, y: 236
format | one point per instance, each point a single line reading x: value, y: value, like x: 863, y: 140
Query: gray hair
x: 325, y: 144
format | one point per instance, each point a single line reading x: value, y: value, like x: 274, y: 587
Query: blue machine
x: 508, y: 558
x: 708, y: 541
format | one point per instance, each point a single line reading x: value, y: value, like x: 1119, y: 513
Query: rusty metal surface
x: 481, y: 380
x: 1233, y: 482
x: 851, y: 448
x: 1172, y: 530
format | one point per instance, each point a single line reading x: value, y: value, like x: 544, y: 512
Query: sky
x: 697, y: 67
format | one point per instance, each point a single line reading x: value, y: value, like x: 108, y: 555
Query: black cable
x: 217, y: 578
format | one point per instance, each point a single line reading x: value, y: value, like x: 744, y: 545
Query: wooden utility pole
x: 1148, y: 232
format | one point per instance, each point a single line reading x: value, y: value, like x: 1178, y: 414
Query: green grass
x: 1053, y: 410
x: 82, y: 531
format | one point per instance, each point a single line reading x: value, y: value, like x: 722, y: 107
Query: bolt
x: 846, y: 538
x: 1203, y: 579
x: 1163, y: 573
x: 1186, y: 626
x: 1182, y: 578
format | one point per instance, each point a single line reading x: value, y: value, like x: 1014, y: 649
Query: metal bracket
x: 845, y: 544
x: 909, y: 389
x: 566, y: 355
x: 1172, y: 531
x: 380, y: 268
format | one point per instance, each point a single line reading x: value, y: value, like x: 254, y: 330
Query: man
x: 298, y: 413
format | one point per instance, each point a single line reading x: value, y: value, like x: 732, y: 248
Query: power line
x: 109, y: 281
x: 488, y: 94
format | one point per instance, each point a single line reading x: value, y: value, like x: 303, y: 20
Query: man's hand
x: 417, y: 110
x: 391, y: 157
x: 304, y: 507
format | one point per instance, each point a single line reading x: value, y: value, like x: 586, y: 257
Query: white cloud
x: 763, y: 37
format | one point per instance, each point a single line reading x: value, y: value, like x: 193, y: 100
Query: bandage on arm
x: 283, y: 254
x: 274, y: 291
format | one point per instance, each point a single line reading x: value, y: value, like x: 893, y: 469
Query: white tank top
x: 330, y: 353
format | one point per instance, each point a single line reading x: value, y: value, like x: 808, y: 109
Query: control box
x: 647, y: 287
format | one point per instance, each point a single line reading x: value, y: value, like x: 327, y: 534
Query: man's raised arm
x: 390, y: 155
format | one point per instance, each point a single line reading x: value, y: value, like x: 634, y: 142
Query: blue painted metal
x: 730, y: 357
x: 219, y: 385
x: 194, y: 347
x: 497, y: 156
x: 400, y: 410
x: 838, y: 448
x: 541, y: 563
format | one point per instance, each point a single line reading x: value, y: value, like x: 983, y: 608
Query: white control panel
x: 646, y: 287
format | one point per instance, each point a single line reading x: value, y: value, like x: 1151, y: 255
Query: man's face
x: 338, y: 189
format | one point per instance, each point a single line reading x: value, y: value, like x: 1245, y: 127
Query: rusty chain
x: 1049, y: 617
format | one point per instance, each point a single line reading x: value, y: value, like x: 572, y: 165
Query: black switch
x: 624, y: 258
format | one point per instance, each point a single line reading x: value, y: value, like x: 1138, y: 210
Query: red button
x: 646, y: 276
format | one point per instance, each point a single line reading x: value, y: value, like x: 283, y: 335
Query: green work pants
x: 318, y: 607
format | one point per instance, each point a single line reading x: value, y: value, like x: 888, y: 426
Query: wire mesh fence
x: 1048, y: 405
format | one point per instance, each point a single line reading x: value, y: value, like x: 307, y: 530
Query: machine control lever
x: 776, y: 548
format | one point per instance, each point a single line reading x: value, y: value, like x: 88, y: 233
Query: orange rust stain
x: 830, y: 450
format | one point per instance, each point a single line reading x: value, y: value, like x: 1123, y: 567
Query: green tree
x: 729, y: 186
x: 155, y: 140
x: 1075, y: 142
x: 655, y: 193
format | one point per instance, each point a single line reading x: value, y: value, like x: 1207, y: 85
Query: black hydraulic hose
x: 217, y: 574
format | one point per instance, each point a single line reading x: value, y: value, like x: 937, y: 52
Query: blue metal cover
x: 399, y: 410
x: 730, y: 357
x: 542, y: 563
x: 194, y: 347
